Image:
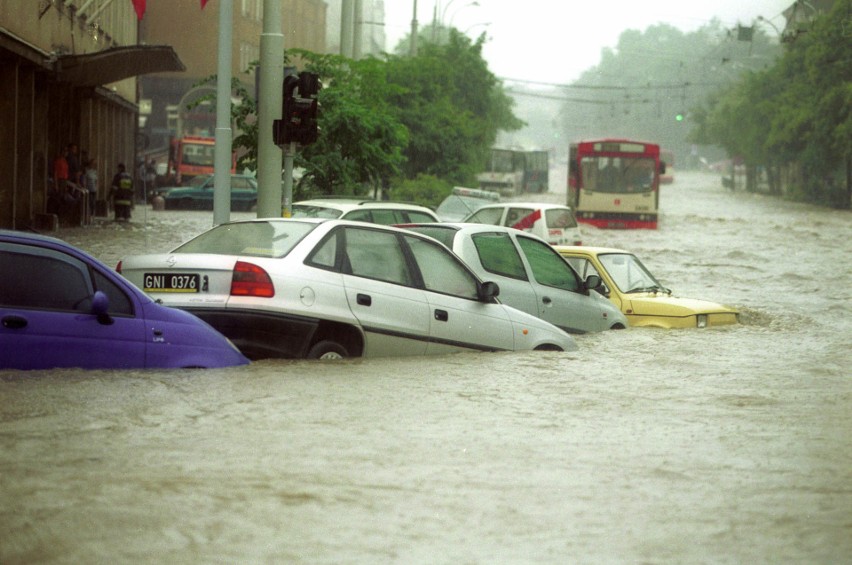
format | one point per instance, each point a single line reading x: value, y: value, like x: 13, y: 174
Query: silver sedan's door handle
x: 546, y: 300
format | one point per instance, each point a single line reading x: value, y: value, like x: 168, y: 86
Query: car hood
x: 650, y: 304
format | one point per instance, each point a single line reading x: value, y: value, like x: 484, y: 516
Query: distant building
x: 371, y: 20
x: 193, y: 34
x: 799, y: 15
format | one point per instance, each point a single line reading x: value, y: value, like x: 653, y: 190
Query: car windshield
x: 198, y: 181
x: 629, y: 274
x: 460, y: 206
x: 560, y: 218
x: 309, y: 211
x: 444, y: 234
x: 254, y: 239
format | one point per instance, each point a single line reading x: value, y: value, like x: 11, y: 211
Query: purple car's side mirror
x: 100, y: 307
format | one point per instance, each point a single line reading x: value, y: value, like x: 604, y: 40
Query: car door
x: 459, y: 320
x: 380, y: 290
x: 562, y: 301
x: 494, y: 256
x: 45, y: 314
x: 243, y: 193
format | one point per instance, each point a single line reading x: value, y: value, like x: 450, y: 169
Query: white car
x: 463, y: 201
x: 315, y: 288
x: 372, y: 211
x: 553, y: 223
x: 532, y: 276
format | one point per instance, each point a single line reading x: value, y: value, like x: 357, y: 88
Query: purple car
x: 60, y: 307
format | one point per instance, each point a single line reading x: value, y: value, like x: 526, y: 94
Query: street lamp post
x: 453, y: 15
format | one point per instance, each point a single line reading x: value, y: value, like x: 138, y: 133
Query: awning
x: 117, y: 63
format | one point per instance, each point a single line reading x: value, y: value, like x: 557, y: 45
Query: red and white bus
x: 615, y: 183
x: 194, y: 155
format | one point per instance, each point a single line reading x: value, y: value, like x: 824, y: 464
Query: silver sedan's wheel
x: 327, y: 350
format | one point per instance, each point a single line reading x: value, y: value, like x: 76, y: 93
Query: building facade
x: 67, y: 75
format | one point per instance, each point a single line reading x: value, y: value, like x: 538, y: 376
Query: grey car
x: 532, y: 276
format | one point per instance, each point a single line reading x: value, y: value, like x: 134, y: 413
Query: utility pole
x: 412, y: 49
x: 224, y: 138
x: 347, y: 16
x: 270, y: 98
x: 357, y: 29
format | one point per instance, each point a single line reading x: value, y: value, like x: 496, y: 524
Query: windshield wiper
x: 653, y: 288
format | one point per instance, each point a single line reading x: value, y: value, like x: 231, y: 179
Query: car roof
x: 537, y: 205
x: 330, y: 222
x: 31, y: 236
x: 589, y: 250
x: 467, y: 227
x: 347, y: 204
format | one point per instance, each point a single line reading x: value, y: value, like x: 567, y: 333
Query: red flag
x: 139, y: 5
x: 203, y: 3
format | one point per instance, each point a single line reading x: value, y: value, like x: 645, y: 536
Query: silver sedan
x: 335, y: 288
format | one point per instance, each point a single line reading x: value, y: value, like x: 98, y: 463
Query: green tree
x: 361, y: 139
x: 795, y: 114
x: 641, y: 86
x: 452, y: 105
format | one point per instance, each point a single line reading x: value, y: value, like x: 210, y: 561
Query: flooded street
x: 725, y: 445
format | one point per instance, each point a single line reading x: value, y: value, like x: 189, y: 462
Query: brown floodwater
x: 724, y: 445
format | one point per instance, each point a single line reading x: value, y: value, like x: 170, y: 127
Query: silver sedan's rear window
x: 254, y: 239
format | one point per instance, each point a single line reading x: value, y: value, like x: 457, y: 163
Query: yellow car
x: 644, y: 301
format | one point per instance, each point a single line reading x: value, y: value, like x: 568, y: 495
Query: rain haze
x: 554, y: 41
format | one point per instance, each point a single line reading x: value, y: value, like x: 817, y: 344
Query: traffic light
x: 299, y: 112
x: 679, y: 117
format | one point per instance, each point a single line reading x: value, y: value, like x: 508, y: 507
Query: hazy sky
x: 554, y: 41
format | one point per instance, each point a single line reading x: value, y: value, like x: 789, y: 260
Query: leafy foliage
x: 797, y: 112
x: 385, y: 120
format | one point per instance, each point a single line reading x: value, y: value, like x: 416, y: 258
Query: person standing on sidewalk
x: 90, y: 180
x: 122, y: 193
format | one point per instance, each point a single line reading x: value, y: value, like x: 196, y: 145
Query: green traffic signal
x: 679, y: 117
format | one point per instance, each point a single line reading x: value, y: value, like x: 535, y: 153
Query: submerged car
x: 553, y: 223
x: 645, y: 302
x: 371, y: 211
x: 310, y: 288
x: 60, y: 307
x: 532, y: 276
x: 198, y: 194
x: 464, y: 201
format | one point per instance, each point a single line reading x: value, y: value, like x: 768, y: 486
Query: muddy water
x: 727, y: 445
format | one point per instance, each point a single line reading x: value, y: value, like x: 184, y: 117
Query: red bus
x: 193, y: 155
x: 615, y: 183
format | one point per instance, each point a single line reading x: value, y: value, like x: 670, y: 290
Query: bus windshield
x: 617, y: 174
x: 198, y: 154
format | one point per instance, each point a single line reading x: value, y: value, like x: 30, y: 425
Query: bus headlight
x: 702, y: 320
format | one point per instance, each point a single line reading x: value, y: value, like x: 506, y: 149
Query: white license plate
x: 170, y: 282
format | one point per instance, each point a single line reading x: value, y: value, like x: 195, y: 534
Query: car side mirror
x: 488, y: 290
x: 595, y: 282
x: 100, y: 307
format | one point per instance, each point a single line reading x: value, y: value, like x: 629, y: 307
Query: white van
x: 553, y: 223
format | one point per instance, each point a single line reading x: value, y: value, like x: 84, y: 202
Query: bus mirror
x: 662, y: 167
x: 572, y: 167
